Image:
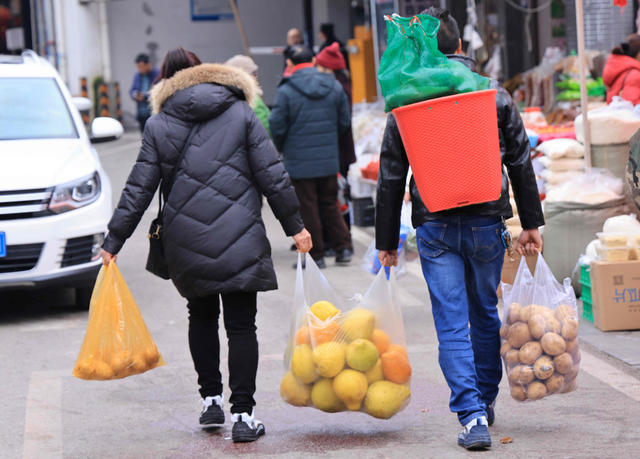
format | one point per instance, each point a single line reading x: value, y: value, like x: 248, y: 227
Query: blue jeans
x: 462, y: 259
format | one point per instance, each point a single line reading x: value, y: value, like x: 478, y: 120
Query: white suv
x: 55, y: 197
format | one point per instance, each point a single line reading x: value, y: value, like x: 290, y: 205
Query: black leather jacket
x: 514, y: 147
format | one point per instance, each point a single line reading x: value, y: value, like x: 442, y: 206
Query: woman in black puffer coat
x: 214, y: 237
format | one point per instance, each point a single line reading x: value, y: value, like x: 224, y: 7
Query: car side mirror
x: 82, y: 104
x: 104, y: 129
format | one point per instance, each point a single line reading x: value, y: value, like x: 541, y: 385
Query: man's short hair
x: 449, y: 32
x: 142, y: 57
x: 299, y: 54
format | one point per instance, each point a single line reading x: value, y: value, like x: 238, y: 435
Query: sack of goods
x: 539, y: 334
x: 412, y: 69
x: 117, y: 343
x: 339, y: 360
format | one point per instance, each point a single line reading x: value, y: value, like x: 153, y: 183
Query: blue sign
x: 3, y: 245
x: 211, y: 10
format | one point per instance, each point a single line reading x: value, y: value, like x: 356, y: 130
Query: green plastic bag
x: 412, y: 69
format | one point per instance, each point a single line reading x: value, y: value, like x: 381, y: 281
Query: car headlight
x: 73, y: 195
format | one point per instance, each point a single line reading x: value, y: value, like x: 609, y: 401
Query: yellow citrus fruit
x: 324, y: 398
x: 384, y: 399
x: 323, y: 310
x: 358, y: 323
x: 361, y: 355
x: 351, y: 387
x: 293, y: 391
x: 375, y: 374
x: 302, y: 364
x: 329, y: 359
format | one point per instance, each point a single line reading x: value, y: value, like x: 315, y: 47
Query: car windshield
x: 33, y: 108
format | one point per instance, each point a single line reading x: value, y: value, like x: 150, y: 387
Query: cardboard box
x: 510, y: 268
x: 616, y: 295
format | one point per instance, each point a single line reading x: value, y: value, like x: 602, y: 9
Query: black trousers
x: 240, y: 323
x: 142, y: 120
x: 319, y: 209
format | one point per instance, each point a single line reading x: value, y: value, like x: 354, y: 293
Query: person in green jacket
x: 259, y: 107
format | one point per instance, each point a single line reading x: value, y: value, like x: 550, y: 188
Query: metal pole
x: 308, y: 22
x: 583, y: 84
x: 236, y: 15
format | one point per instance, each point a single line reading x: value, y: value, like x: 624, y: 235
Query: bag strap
x: 167, y: 184
x: 624, y: 81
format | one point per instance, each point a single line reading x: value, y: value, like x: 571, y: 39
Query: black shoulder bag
x: 156, y: 261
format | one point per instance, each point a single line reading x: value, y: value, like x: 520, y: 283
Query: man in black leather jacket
x: 462, y: 252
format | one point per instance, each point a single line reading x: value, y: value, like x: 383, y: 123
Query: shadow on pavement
x: 38, y: 305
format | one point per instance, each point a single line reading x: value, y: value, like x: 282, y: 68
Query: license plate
x: 3, y: 244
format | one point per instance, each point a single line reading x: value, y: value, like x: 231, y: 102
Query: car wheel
x: 83, y: 297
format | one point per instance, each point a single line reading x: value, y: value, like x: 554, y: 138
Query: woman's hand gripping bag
x: 539, y: 334
x: 342, y: 358
x: 117, y: 343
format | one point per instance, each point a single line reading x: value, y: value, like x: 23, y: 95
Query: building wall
x: 80, y: 55
x: 157, y: 26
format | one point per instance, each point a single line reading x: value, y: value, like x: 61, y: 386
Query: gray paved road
x: 45, y: 412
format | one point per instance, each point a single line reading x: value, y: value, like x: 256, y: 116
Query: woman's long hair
x: 176, y: 60
x: 630, y: 47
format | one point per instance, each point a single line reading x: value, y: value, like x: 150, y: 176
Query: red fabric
x: 331, y: 57
x: 291, y: 70
x: 617, y: 68
x: 620, y: 3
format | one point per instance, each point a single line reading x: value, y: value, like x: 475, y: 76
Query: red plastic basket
x: 453, y: 147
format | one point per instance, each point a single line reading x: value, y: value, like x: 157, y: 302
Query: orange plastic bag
x: 117, y: 343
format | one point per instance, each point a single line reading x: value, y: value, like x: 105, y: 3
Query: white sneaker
x: 246, y: 428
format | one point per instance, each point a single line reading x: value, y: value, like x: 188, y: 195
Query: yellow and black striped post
x: 84, y: 92
x: 104, y: 100
x: 118, y: 106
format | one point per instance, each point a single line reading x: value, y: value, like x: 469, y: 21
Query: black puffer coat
x: 514, y: 148
x: 214, y: 237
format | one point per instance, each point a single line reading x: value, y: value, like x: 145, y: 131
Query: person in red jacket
x: 622, y: 71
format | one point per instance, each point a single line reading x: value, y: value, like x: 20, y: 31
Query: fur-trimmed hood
x: 219, y: 74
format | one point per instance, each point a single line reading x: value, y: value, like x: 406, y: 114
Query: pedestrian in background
x: 294, y: 37
x: 330, y: 60
x: 328, y: 36
x: 213, y: 234
x: 462, y: 252
x: 259, y: 107
x: 621, y: 73
x: 311, y: 110
x: 139, y: 92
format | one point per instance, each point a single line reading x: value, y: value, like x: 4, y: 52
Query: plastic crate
x: 587, y: 310
x: 587, y: 299
x: 585, y: 276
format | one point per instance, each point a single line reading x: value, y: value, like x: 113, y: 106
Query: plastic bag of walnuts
x: 539, y: 334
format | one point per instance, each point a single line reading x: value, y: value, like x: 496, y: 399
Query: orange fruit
x: 325, y: 333
x: 381, y: 340
x: 303, y: 337
x: 399, y: 348
x: 396, y: 367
